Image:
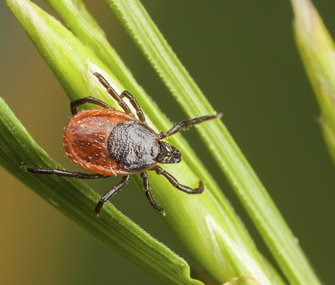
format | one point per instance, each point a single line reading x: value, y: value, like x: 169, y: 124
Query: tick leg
x: 113, y: 93
x: 186, y: 124
x: 76, y: 103
x: 148, y: 194
x: 137, y: 107
x: 175, y: 183
x: 58, y: 172
x: 110, y: 193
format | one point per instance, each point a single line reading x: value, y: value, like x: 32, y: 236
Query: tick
x: 114, y: 143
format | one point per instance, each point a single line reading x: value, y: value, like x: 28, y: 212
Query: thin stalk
x: 259, y: 205
x: 317, y: 51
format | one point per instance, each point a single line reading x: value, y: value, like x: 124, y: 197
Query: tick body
x: 114, y: 143
x: 110, y: 142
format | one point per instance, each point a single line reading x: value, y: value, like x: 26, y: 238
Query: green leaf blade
x: 240, y: 174
x: 317, y: 51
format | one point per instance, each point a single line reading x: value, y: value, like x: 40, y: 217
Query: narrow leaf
x: 234, y: 165
x: 317, y: 51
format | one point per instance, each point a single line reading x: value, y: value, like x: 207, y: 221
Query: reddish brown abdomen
x: 85, y: 139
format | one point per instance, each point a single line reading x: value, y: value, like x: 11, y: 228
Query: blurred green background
x: 243, y: 57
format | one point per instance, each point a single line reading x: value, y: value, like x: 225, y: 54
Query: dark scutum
x: 133, y: 146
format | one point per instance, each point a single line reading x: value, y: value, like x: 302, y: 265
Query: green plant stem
x: 317, y: 51
x: 76, y: 200
x: 243, y: 179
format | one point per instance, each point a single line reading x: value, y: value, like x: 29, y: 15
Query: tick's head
x: 168, y: 153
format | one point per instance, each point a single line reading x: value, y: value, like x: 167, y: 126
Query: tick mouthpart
x: 168, y: 153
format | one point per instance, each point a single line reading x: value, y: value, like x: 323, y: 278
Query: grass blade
x: 243, y: 179
x: 317, y: 51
